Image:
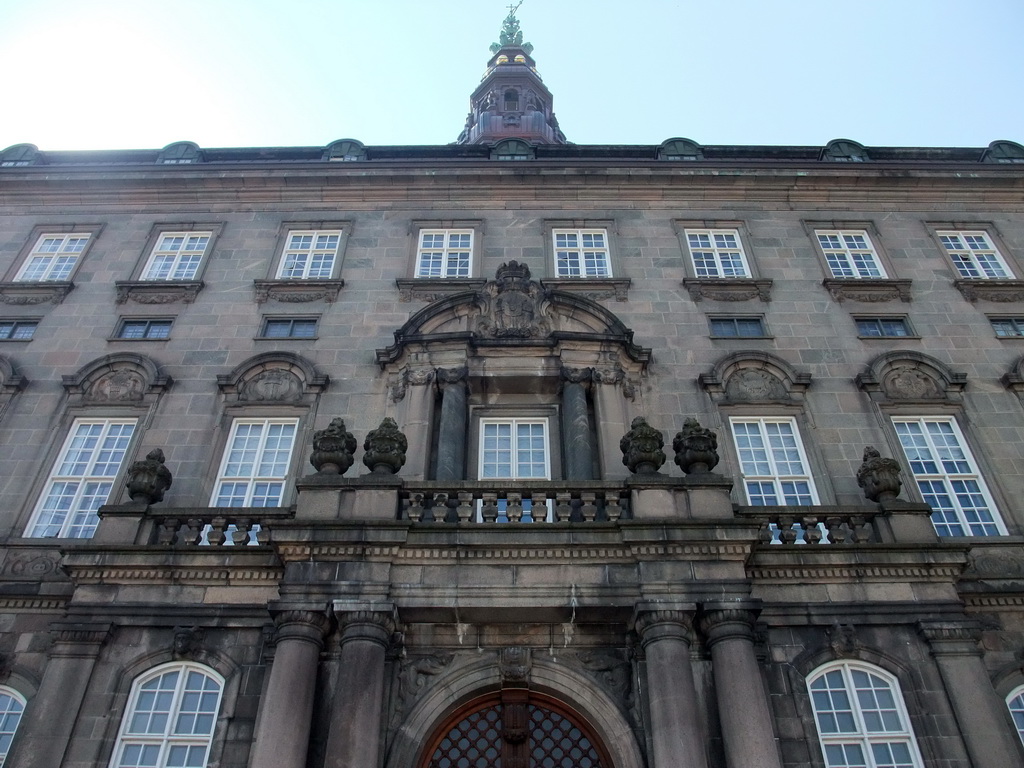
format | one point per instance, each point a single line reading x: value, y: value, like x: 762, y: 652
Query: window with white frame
x: 582, y: 253
x: 773, y: 463
x: 53, y: 258
x: 255, y: 463
x: 861, y: 718
x: 850, y: 254
x: 445, y: 253
x: 1015, y: 703
x: 82, y: 478
x: 717, y: 253
x: 12, y: 705
x: 974, y: 255
x: 309, y: 255
x: 948, y: 477
x: 176, y: 256
x: 170, y: 719
x: 18, y: 330
x: 514, y: 449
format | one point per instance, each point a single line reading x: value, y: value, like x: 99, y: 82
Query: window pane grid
x: 1007, y: 326
x: 11, y: 708
x: 82, y: 479
x: 772, y: 462
x: 881, y: 327
x: 18, y: 330
x: 861, y: 720
x: 444, y: 253
x: 717, y: 253
x: 177, y: 256
x: 255, y: 464
x: 947, y: 478
x: 974, y: 255
x: 144, y: 329
x: 309, y: 255
x: 581, y: 253
x: 289, y: 328
x: 738, y: 327
x: 53, y: 258
x: 850, y: 255
x: 1015, y: 702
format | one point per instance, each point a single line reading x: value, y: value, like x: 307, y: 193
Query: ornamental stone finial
x: 511, y: 34
x: 149, y: 478
x: 879, y: 477
x: 696, y: 448
x: 333, y: 447
x: 641, y: 448
x: 384, y: 448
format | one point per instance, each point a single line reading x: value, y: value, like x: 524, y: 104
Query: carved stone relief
x: 751, y: 384
x: 513, y: 305
x: 908, y: 383
x: 118, y: 386
x: 275, y: 384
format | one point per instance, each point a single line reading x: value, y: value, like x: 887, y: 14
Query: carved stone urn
x: 149, y: 478
x: 333, y: 448
x: 696, y: 448
x: 385, y: 448
x: 641, y: 448
x: 879, y: 477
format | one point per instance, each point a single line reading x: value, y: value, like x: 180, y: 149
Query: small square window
x: 738, y: 327
x: 136, y: 329
x: 289, y: 328
x: 582, y: 253
x: 17, y: 330
x: 53, y: 258
x: 1007, y: 327
x: 850, y: 254
x: 882, y: 327
x: 309, y: 255
x: 444, y: 253
x: 717, y: 253
x: 177, y: 256
x: 974, y: 255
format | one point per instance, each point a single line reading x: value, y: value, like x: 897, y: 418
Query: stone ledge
x: 22, y: 294
x: 728, y: 288
x: 867, y: 290
x: 434, y: 288
x: 1000, y: 291
x: 297, y: 291
x: 596, y: 288
x: 158, y: 291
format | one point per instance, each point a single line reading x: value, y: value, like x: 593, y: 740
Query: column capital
x: 370, y: 620
x: 729, y: 619
x: 301, y: 624
x: 576, y: 375
x: 73, y: 639
x: 447, y: 376
x: 661, y: 621
x: 952, y: 638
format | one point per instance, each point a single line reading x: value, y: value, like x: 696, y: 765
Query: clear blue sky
x: 143, y: 73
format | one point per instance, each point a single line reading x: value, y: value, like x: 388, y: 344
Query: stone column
x: 611, y: 390
x: 980, y: 713
x: 451, y: 444
x: 747, y: 724
x: 286, y: 711
x: 418, y: 414
x: 577, y: 436
x: 45, y: 733
x: 677, y: 738
x: 366, y: 630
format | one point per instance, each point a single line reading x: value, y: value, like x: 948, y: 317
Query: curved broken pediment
x: 514, y: 311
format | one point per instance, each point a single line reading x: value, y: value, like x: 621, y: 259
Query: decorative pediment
x: 514, y: 310
x: 754, y: 377
x: 125, y: 378
x: 911, y: 377
x: 273, y: 378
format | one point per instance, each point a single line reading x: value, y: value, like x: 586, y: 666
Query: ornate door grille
x: 516, y: 730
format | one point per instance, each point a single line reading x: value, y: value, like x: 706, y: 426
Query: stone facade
x: 359, y: 615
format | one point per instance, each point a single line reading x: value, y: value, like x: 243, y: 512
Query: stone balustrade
x: 790, y: 526
x: 217, y: 526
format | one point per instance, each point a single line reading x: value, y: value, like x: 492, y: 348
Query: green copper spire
x: 511, y: 35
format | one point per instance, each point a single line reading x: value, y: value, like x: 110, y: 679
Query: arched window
x: 1015, y: 701
x: 12, y: 704
x: 861, y: 717
x: 170, y: 718
x: 512, y: 149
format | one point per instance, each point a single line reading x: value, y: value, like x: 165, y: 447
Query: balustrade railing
x: 819, y: 525
x: 537, y: 503
x: 217, y: 526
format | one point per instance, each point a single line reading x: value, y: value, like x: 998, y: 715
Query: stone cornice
x: 221, y: 566
x: 858, y: 562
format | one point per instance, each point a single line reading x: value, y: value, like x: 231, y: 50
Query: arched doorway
x: 515, y: 728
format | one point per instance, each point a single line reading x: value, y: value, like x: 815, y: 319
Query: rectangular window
x: 82, y: 479
x: 515, y: 449
x: 255, y: 464
x: 1007, y: 326
x: 144, y: 329
x: 775, y: 470
x: 444, y: 253
x: 974, y: 255
x: 17, y: 330
x: 850, y: 254
x: 53, y: 258
x: 717, y: 253
x: 947, y: 477
x: 882, y: 327
x: 582, y: 253
x: 738, y: 327
x: 309, y: 255
x: 177, y: 256
x: 289, y: 328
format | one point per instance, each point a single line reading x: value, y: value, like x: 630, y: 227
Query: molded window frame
x: 77, y: 523
x: 16, y: 274
x: 12, y: 708
x: 736, y: 320
x: 604, y: 228
x: 1014, y: 323
x: 449, y: 255
x: 252, y: 478
x: 712, y: 253
x: 773, y: 478
x: 291, y: 320
x: 1015, y: 704
x: 846, y: 704
x: 881, y: 321
x: 310, y: 255
x: 18, y: 325
x: 148, y: 324
x: 845, y: 257
x: 514, y: 417
x: 166, y: 739
x: 196, y: 257
x: 966, y: 259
